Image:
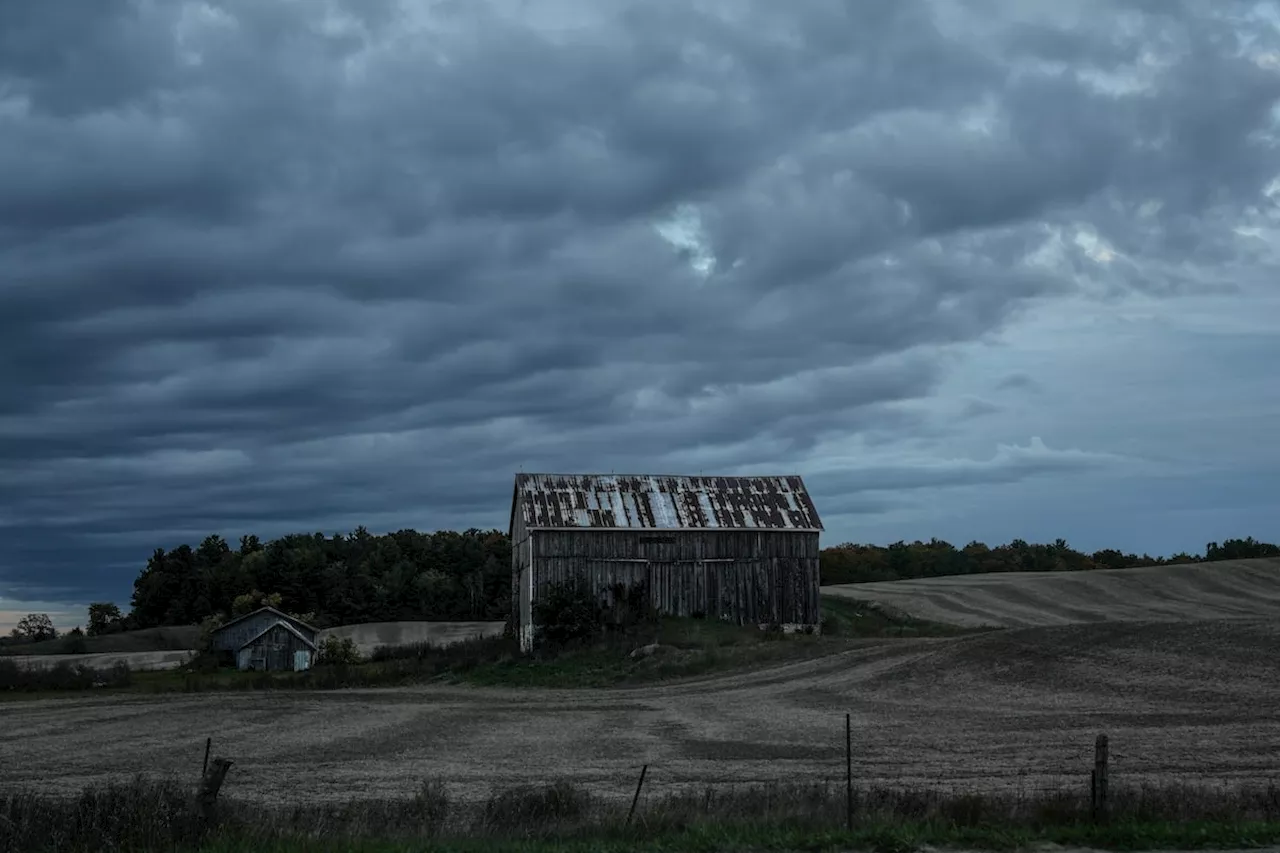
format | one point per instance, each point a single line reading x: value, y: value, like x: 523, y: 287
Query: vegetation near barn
x: 450, y: 576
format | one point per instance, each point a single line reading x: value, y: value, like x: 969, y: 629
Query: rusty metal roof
x: 663, y: 502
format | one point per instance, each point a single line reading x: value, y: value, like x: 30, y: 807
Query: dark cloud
x: 267, y: 267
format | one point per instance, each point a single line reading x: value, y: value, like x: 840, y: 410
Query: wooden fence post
x: 1098, y: 781
x: 636, y: 798
x: 848, y: 771
x: 208, y: 744
x: 210, y: 785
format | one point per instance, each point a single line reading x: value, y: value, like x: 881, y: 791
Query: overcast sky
x: 986, y: 269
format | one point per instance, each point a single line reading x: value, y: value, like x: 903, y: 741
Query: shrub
x: 567, y: 614
x: 338, y: 651
x: 61, y: 676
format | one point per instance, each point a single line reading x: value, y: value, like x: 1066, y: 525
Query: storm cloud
x: 283, y: 266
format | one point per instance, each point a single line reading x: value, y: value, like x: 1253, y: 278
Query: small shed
x: 738, y: 549
x: 267, y: 640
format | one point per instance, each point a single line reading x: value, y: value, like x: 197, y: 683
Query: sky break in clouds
x: 985, y: 269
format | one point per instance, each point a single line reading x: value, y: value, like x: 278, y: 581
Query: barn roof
x: 663, y: 502
x: 280, y: 623
x: 293, y: 620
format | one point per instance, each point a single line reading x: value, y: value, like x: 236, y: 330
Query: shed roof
x: 267, y: 609
x: 281, y: 623
x: 663, y: 502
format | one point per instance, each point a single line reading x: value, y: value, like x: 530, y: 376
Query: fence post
x: 636, y: 798
x: 1098, y: 780
x: 848, y: 771
x: 208, y: 744
x: 210, y: 785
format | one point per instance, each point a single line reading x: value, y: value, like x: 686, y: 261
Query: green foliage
x: 567, y: 614
x: 331, y: 580
x: 147, y: 816
x: 855, y: 563
x: 62, y: 676
x: 105, y: 618
x: 846, y: 617
x: 451, y: 576
x: 74, y: 642
x: 338, y: 651
x: 35, y: 628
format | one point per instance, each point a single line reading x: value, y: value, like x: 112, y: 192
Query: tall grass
x: 160, y: 815
x: 61, y: 676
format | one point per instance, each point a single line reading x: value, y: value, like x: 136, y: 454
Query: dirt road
x: 1239, y: 589
x: 1006, y: 709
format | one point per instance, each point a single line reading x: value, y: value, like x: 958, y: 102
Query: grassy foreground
x: 153, y: 816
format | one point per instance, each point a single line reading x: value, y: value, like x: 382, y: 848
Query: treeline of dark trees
x: 451, y: 576
x: 853, y: 563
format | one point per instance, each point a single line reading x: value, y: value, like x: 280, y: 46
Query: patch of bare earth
x: 1234, y: 589
x: 1003, y: 710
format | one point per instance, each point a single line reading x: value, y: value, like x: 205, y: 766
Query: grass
x: 685, y: 648
x: 158, y: 815
x: 62, y: 676
x: 175, y: 638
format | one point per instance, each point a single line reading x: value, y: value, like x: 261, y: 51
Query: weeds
x: 152, y: 816
x: 15, y: 676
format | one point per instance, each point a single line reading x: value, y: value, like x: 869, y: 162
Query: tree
x: 104, y: 618
x: 35, y: 627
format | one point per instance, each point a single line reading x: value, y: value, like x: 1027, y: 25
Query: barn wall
x: 274, y: 651
x: 742, y: 576
x: 521, y: 555
x: 234, y: 636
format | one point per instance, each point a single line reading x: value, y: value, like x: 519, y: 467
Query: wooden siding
x: 274, y: 651
x: 521, y: 549
x: 742, y: 576
x: 232, y: 637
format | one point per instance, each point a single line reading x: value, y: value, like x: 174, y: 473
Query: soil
x: 1233, y: 589
x: 1004, y: 710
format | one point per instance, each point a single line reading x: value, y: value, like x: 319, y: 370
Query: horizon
x: 974, y: 270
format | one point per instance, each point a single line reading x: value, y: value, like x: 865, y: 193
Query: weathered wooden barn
x: 740, y: 549
x: 267, y: 640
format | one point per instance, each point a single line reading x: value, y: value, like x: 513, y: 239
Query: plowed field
x: 1240, y: 589
x: 1014, y: 709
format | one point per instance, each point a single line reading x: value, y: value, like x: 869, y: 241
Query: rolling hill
x: 1232, y: 589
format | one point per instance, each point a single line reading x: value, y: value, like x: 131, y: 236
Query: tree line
x: 855, y: 563
x: 452, y: 576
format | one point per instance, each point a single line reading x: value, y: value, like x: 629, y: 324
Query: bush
x: 74, y: 643
x: 567, y: 614
x: 338, y: 651
x: 61, y: 676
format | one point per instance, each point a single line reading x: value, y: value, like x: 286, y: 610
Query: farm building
x: 741, y: 549
x: 267, y: 639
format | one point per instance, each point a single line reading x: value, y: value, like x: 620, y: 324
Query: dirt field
x: 369, y: 636
x: 1006, y: 709
x: 1241, y: 589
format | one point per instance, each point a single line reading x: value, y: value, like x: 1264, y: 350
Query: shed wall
x: 741, y: 576
x: 273, y: 652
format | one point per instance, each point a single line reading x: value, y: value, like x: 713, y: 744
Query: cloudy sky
x: 984, y: 269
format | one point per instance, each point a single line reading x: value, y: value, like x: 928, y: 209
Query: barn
x: 267, y: 640
x: 741, y: 549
